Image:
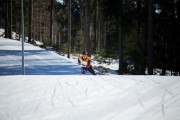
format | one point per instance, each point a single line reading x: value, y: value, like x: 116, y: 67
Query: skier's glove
x: 83, y: 63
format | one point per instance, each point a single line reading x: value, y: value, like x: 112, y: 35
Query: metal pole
x: 22, y: 32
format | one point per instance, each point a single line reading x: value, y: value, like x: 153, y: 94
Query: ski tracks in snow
x: 167, y: 99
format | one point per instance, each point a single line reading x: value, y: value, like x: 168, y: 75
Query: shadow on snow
x: 48, y: 65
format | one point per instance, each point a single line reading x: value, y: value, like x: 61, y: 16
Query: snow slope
x: 37, y: 60
x: 78, y: 97
x: 53, y: 89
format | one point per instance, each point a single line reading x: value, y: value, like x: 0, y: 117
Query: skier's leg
x: 91, y: 70
x: 83, y: 70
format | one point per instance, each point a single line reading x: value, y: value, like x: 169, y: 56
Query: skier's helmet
x: 84, y: 53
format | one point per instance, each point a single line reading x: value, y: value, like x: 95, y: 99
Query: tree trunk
x: 10, y: 19
x: 120, y: 40
x: 104, y: 35
x: 150, y: 37
x: 95, y: 26
x: 69, y: 28
x: 87, y: 27
x: 19, y: 31
x: 81, y: 41
x: 141, y: 60
x: 30, y: 19
x: 163, y: 72
x: 51, y: 22
x: 6, y: 19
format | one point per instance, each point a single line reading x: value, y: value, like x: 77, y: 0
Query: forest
x: 142, y: 33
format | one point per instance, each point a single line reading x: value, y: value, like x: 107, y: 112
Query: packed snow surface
x: 54, y: 89
x: 37, y: 61
x: 78, y: 97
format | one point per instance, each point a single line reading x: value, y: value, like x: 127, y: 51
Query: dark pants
x: 84, y: 69
x: 90, y: 69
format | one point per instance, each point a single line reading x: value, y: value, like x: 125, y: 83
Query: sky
x: 54, y: 89
x: 61, y: 1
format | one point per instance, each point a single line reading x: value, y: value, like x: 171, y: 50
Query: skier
x: 85, y: 61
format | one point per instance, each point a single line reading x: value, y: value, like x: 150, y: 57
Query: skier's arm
x: 80, y: 60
